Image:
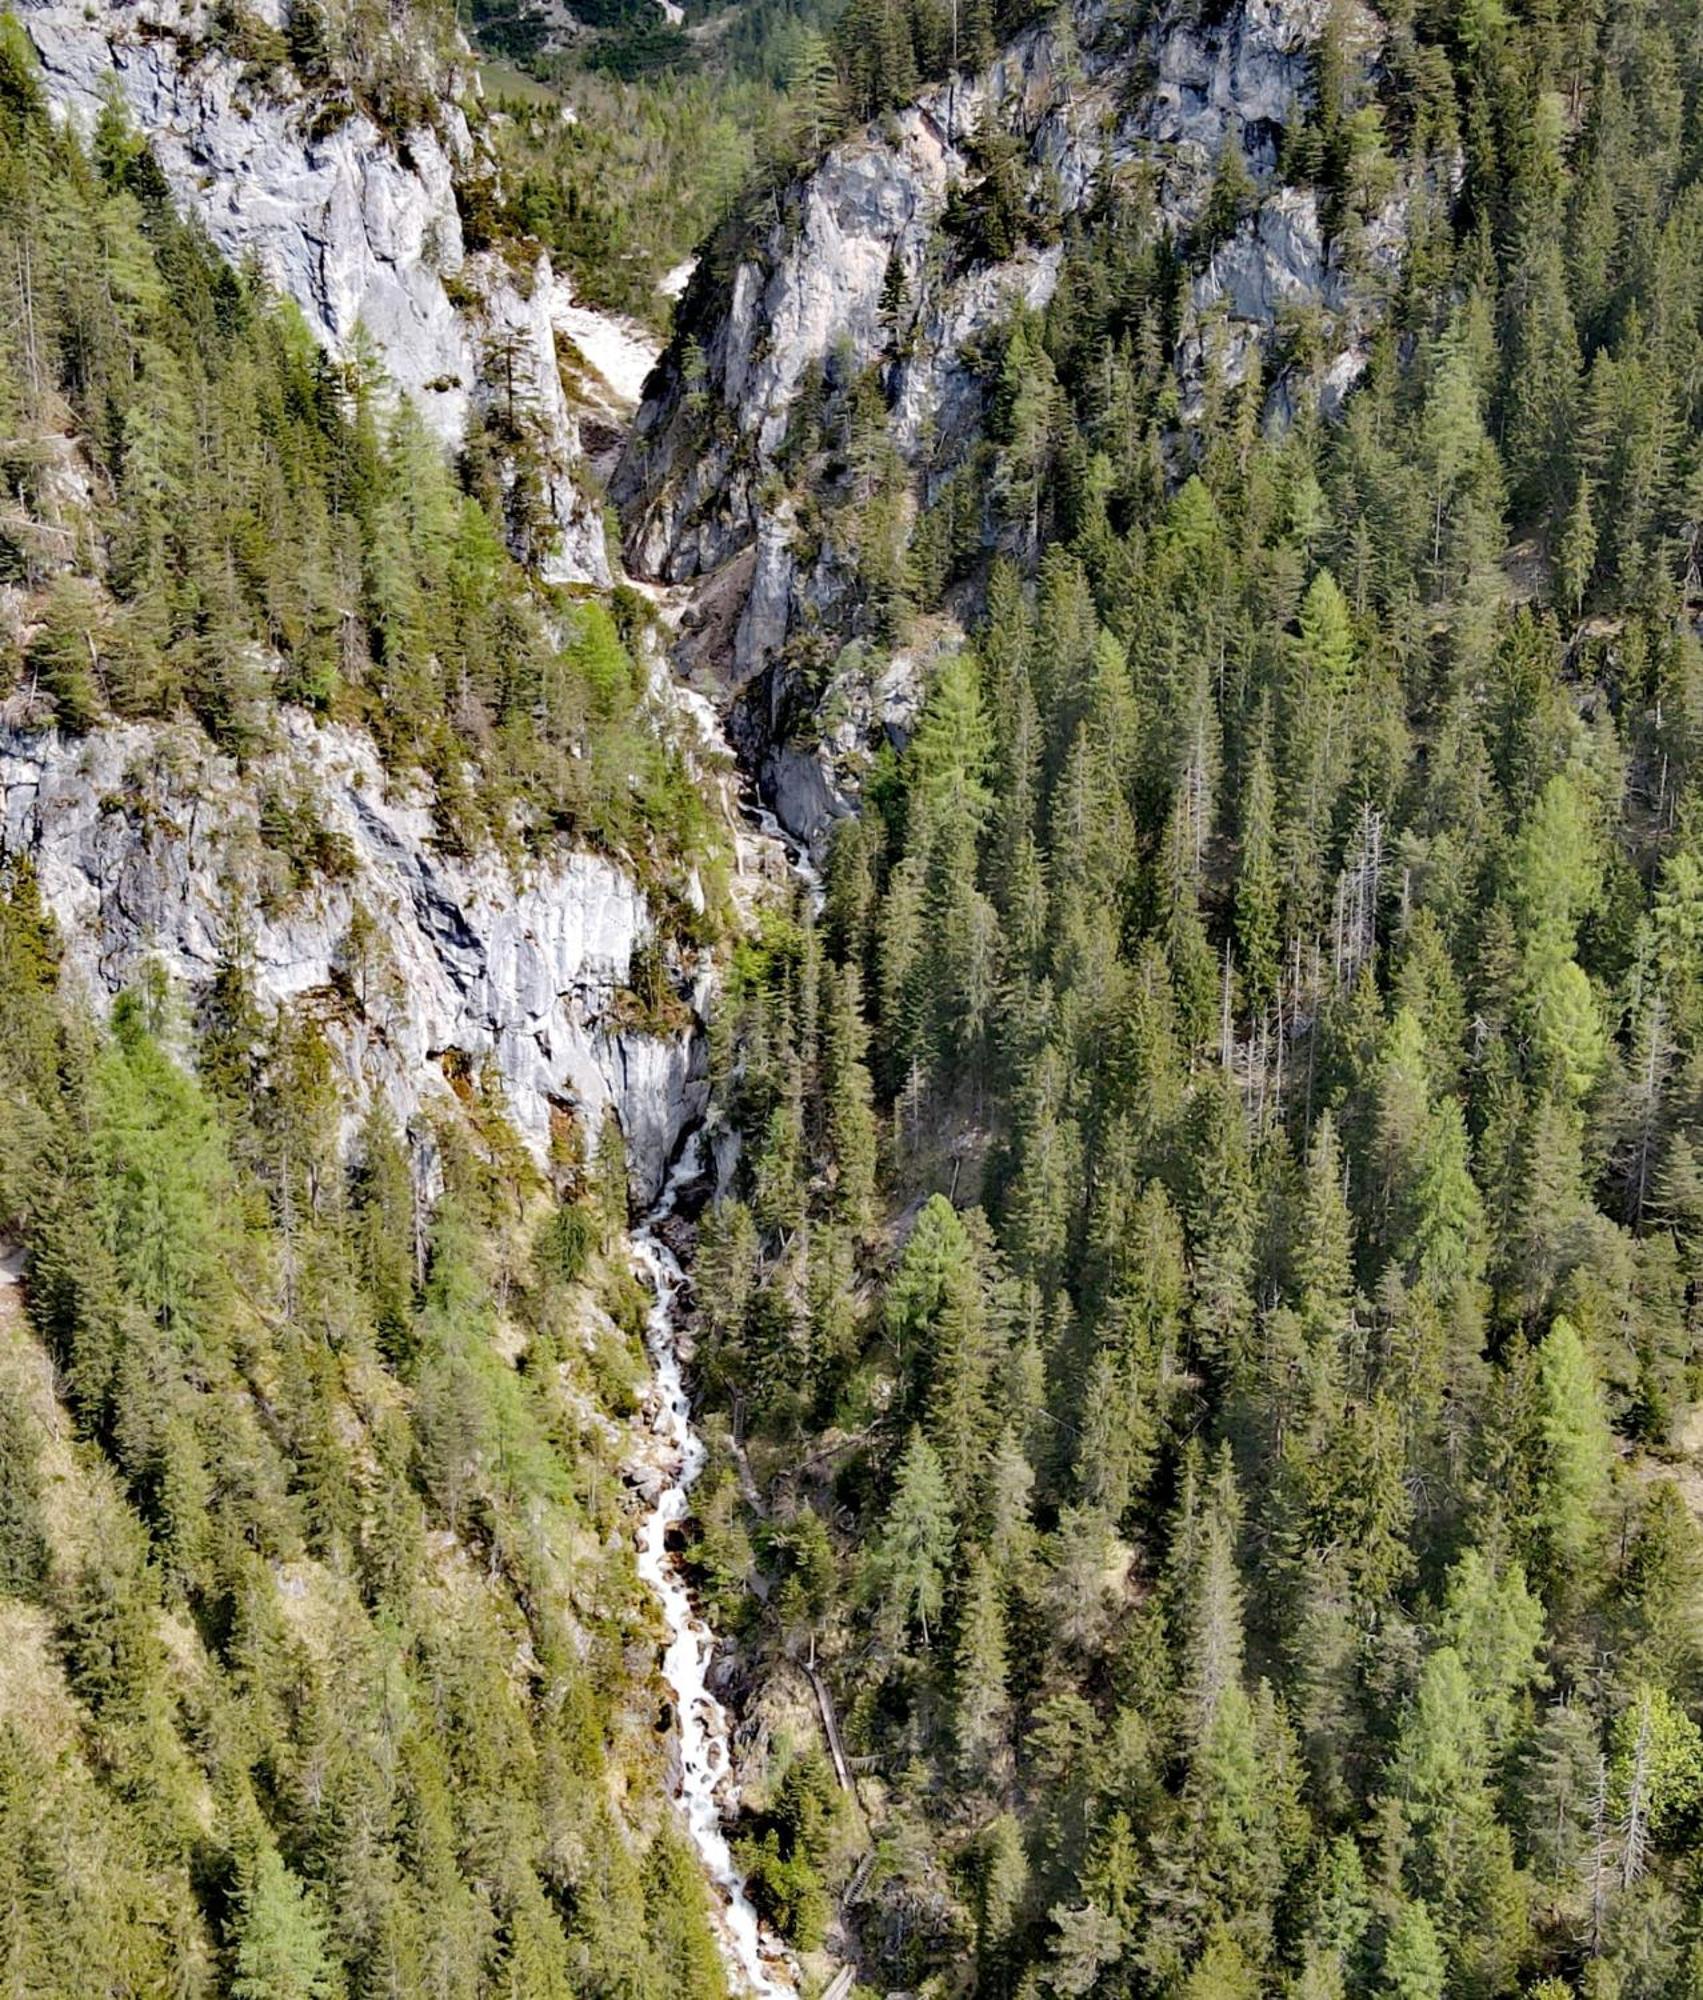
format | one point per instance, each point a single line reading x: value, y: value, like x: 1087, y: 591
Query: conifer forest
x: 851, y: 1000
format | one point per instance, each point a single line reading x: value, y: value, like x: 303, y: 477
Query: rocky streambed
x: 758, y: 1961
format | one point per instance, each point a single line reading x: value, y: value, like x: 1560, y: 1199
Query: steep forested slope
x: 1197, y: 509
x: 325, y: 1656
x: 1209, y: 1308
x: 209, y: 513
x: 325, y: 1666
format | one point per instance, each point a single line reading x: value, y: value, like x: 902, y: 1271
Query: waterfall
x: 760, y: 1963
x: 702, y: 1723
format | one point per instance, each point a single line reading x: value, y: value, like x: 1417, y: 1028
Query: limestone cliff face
x: 151, y: 846
x: 359, y: 227
x: 702, y: 484
x: 809, y: 294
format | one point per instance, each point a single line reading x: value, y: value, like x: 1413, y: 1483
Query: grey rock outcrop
x: 1237, y: 78
x: 148, y: 847
x: 811, y: 767
x: 358, y: 227
x: 807, y: 298
x: 522, y: 322
x: 858, y: 273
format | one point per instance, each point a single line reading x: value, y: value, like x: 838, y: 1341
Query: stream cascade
x: 702, y: 1728
x: 760, y: 1964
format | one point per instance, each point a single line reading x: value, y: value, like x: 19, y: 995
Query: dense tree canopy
x: 1201, y: 1335
x: 1269, y: 1376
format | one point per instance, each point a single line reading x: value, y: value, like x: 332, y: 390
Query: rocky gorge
x: 854, y: 272
x: 361, y: 229
x: 436, y: 977
x: 431, y: 972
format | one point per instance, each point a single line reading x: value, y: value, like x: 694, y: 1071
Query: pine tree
x: 1229, y: 199
x: 1554, y: 868
x: 936, y: 1253
x: 1547, y: 1201
x: 1559, y: 1784
x: 1044, y: 1195
x: 1209, y: 1601
x: 813, y: 85
x: 1116, y: 1436
x: 1324, y: 1241
x: 958, y: 1403
x: 1496, y: 1629
x: 280, y: 1945
x: 1575, y: 1453
x: 684, y: 1947
x: 23, y: 1541
x: 1258, y: 888
x: 1544, y: 369
x: 1221, y: 1219
x: 1029, y: 396
x: 1567, y: 1028
x: 609, y: 1177
x: 849, y: 1093
x: 1401, y: 1126
x: 1325, y: 649
x: 1323, y: 1653
x: 1459, y: 1854
x: 1444, y: 1220
x: 1338, y: 1914
x: 1661, y: 1585
x: 1454, y: 449
x: 1414, y: 1967
x: 1576, y: 553
x: 1226, y: 1858
x: 1655, y: 1774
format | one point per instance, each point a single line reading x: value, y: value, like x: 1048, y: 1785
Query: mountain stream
x: 758, y: 1961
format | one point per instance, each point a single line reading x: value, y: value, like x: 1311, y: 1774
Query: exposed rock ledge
x: 148, y: 847
x: 359, y: 228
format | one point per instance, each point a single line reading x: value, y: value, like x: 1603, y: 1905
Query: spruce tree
x: 906, y: 1566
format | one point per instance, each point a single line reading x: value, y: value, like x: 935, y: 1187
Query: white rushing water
x: 758, y: 1960
x: 797, y: 854
x: 760, y: 1963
